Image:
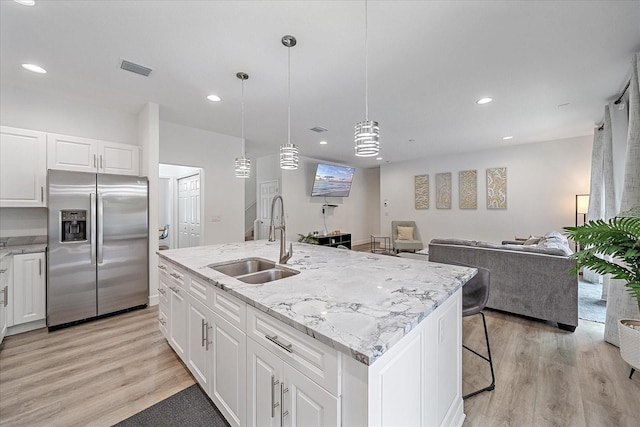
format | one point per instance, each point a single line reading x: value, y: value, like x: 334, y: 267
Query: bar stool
x: 475, y: 294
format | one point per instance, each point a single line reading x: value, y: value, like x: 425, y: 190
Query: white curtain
x: 631, y: 186
x: 602, y: 200
x: 620, y: 305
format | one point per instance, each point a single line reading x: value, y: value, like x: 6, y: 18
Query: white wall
x: 15, y: 222
x: 223, y: 193
x: 542, y: 181
x: 29, y: 109
x: 357, y: 214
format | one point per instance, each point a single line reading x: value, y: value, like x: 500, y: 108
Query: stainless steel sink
x: 254, y: 270
x: 243, y: 266
x: 268, y: 275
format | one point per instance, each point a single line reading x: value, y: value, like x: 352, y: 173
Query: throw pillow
x: 532, y: 241
x: 405, y: 233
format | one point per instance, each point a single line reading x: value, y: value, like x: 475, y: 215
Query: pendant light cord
x: 366, y: 63
x: 243, y: 118
x: 289, y: 108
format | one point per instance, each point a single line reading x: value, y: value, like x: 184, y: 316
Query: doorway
x: 268, y: 189
x: 181, y: 204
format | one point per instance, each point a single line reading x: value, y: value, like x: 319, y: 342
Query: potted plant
x: 309, y: 238
x: 618, y: 238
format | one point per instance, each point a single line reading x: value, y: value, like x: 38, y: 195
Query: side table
x: 385, y: 244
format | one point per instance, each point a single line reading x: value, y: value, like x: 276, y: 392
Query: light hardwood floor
x: 102, y: 372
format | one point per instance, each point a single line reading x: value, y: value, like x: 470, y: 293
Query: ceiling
x: 549, y: 66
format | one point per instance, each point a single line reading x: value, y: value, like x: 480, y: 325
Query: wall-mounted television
x: 332, y: 180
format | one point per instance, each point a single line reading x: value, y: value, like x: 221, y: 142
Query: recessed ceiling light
x: 323, y: 142
x: 507, y: 137
x: 484, y: 101
x: 214, y: 98
x: 26, y: 2
x: 378, y: 158
x: 34, y: 68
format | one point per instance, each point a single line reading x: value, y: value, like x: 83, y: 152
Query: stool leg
x: 488, y: 359
x: 631, y: 373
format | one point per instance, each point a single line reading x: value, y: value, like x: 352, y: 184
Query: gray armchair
x: 399, y: 245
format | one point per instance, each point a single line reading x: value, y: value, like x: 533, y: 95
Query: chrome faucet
x: 284, y: 256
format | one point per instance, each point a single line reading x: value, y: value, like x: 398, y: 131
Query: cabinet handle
x: 274, y: 339
x: 40, y: 266
x: 101, y: 161
x: 175, y: 275
x: 274, y: 405
x: 206, y: 347
x: 162, y: 267
x: 42, y: 194
x: 202, y: 332
x: 95, y: 161
x: 5, y: 291
x: 162, y: 291
x: 176, y: 290
x: 162, y: 321
x: 283, y: 413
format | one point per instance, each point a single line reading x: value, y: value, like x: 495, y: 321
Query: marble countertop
x: 358, y: 303
x: 22, y: 249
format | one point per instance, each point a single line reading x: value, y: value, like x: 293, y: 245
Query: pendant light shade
x: 242, y: 164
x: 289, y: 151
x: 367, y: 132
x: 367, y: 135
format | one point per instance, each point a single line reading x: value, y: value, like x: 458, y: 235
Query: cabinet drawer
x: 228, y: 307
x: 163, y: 291
x: 199, y: 290
x: 316, y: 360
x: 163, y: 320
x: 175, y: 275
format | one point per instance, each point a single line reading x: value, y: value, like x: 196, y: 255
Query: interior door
x: 268, y: 190
x: 189, y: 221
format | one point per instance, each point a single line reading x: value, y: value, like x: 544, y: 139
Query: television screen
x: 332, y: 181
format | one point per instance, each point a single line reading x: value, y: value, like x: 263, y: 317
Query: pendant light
x: 243, y: 165
x: 289, y: 151
x: 367, y: 132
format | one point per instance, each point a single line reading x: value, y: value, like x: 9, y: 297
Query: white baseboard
x: 26, y: 327
x: 154, y: 300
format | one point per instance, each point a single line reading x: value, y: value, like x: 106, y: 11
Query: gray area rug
x: 190, y: 407
x: 590, y: 306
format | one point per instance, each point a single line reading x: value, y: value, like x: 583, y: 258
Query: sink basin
x: 268, y: 275
x: 254, y: 270
x: 243, y: 266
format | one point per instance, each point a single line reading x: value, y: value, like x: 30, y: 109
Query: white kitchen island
x: 354, y: 339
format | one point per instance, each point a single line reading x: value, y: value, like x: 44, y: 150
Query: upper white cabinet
x: 23, y: 167
x: 74, y: 153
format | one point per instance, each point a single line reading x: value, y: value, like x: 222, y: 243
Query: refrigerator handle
x: 100, y: 228
x: 92, y: 226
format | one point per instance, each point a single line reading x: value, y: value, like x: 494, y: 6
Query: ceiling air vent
x: 319, y: 129
x: 135, y: 68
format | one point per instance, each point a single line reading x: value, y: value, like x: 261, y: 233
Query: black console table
x: 334, y: 240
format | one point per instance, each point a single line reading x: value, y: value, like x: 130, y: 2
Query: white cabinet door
x: 78, y: 154
x: 120, y: 159
x: 264, y: 371
x: 28, y: 288
x: 23, y: 167
x: 306, y: 403
x: 4, y: 295
x: 72, y: 153
x: 200, y: 351
x: 178, y: 324
x: 229, y: 373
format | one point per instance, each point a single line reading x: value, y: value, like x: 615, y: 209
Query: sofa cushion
x: 405, y: 233
x: 555, y: 240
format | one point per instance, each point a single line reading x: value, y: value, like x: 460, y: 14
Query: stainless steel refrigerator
x: 97, y: 248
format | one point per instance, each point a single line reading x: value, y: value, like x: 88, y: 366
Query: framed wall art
x: 468, y: 189
x: 443, y: 190
x: 497, y: 188
x: 421, y: 183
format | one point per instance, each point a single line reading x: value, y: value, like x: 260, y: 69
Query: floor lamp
x: 582, y: 207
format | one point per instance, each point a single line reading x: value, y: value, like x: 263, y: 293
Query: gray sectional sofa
x: 527, y: 280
